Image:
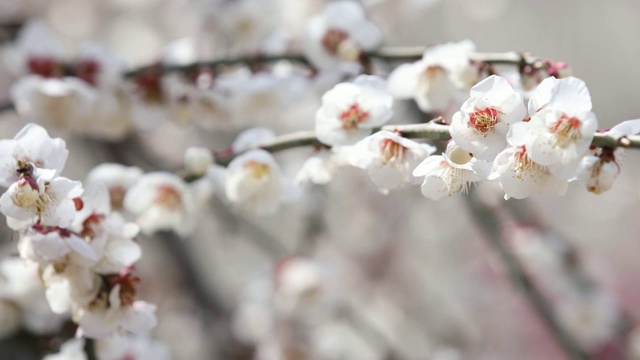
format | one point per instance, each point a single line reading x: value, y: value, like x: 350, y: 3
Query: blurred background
x: 375, y: 276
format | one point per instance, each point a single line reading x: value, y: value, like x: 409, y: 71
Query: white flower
x: 336, y: 39
x: 350, y: 110
x: 69, y: 284
x: 103, y: 318
x: 521, y: 177
x: 59, y: 103
x: 72, y: 349
x: 22, y: 287
x: 49, y: 202
x: 48, y: 244
x: 388, y: 157
x: 562, y: 128
x: 254, y: 181
x: 599, y: 171
x: 601, y: 167
x: 450, y: 172
x: 431, y: 81
x: 109, y: 236
x: 197, y: 160
x: 116, y: 177
x: 320, y: 168
x: 300, y: 288
x: 162, y: 201
x: 31, y: 146
x: 481, y: 125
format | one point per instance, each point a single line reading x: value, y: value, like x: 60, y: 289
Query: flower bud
x: 197, y: 160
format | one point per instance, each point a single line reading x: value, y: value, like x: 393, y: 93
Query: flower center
x: 116, y: 195
x: 566, y: 130
x: 352, y: 117
x: 127, y: 283
x: 27, y: 192
x: 88, y: 71
x: 44, y: 66
x: 524, y: 164
x: 149, y: 85
x: 459, y: 156
x: 392, y: 150
x: 332, y: 40
x: 168, y: 197
x: 483, y: 121
x: 257, y: 169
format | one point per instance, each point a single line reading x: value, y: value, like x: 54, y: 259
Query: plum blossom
x: 319, y: 168
x: 162, y: 201
x: 49, y: 201
x: 388, y: 157
x: 117, y: 178
x: 254, y: 181
x: 599, y: 169
x: 521, y: 177
x: 197, y: 160
x: 450, y: 173
x: 433, y: 80
x: 31, y: 148
x: 337, y: 38
x: 116, y: 310
x: 51, y: 243
x: 22, y: 295
x: 481, y: 125
x: 561, y: 128
x: 350, y: 111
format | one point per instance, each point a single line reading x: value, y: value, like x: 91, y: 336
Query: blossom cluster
x: 83, y: 251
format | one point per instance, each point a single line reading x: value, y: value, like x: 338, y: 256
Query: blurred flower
x: 336, y: 39
x: 432, y: 81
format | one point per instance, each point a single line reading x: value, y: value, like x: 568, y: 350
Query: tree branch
x: 432, y: 130
x: 490, y: 223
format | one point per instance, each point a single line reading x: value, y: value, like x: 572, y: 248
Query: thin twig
x: 490, y: 223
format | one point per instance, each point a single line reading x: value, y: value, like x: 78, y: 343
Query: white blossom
x: 433, y: 80
x: 103, y: 318
x: 254, y: 182
x: 481, y: 125
x: 450, y: 173
x: 562, y: 127
x: 197, y: 160
x: 388, y: 158
x: 31, y: 146
x: 320, y: 168
x: 336, y: 39
x: 48, y: 202
x: 350, y: 111
x: 117, y: 178
x: 162, y: 201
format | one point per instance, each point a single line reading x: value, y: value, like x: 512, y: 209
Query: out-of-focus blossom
x: 319, y: 168
x: 72, y: 349
x: 116, y: 178
x: 254, y: 182
x: 162, y: 201
x: 197, y: 160
x: 337, y: 38
x: 433, y: 80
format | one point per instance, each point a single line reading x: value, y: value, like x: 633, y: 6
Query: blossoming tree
x: 446, y: 120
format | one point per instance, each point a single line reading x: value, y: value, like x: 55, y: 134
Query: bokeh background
x: 417, y: 275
